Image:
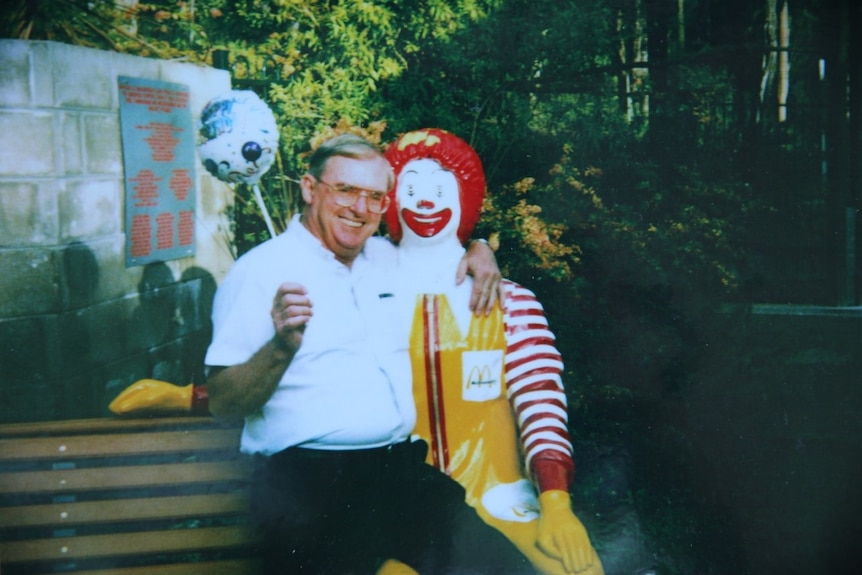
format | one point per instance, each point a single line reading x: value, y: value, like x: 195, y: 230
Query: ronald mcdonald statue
x: 489, y: 397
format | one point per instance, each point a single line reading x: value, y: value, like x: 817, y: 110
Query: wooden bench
x: 160, y: 496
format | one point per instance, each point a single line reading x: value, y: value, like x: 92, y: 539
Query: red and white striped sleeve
x: 535, y: 389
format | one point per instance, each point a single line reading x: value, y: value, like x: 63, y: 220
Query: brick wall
x: 76, y: 325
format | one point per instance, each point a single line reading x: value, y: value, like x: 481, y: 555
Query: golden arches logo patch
x: 482, y: 374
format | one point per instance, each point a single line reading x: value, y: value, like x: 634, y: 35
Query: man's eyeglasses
x: 346, y: 196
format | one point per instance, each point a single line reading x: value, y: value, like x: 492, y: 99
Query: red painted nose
x: 425, y: 205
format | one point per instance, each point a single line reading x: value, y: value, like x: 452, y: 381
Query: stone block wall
x: 76, y: 325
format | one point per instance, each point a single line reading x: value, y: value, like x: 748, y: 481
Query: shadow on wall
x: 49, y: 355
x: 79, y: 355
x: 196, y: 304
x: 155, y: 320
x: 172, y: 322
x: 81, y: 274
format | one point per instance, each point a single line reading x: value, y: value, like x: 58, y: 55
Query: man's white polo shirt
x: 349, y: 385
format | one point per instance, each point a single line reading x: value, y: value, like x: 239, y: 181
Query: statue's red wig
x: 455, y: 155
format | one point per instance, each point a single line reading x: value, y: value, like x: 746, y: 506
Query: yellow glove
x: 562, y: 535
x: 154, y: 396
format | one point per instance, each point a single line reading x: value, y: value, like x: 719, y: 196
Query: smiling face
x: 344, y: 230
x: 428, y: 201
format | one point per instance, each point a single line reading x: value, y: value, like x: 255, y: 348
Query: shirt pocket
x: 389, y: 321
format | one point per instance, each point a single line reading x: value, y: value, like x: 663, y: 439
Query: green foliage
x: 591, y: 208
x: 101, y: 24
x: 328, y: 62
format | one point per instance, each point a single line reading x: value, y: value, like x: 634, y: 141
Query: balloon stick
x: 259, y: 199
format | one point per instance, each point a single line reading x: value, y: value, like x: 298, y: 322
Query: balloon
x: 238, y: 137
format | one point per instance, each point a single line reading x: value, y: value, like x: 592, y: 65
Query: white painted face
x: 428, y: 201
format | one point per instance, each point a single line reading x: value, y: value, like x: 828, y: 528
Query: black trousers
x: 346, y: 512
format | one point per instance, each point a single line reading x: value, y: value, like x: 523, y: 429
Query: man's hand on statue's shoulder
x: 480, y: 263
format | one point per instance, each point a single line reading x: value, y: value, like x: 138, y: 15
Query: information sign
x: 159, y: 161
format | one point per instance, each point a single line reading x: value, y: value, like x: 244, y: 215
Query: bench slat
x: 115, y: 471
x: 110, y: 425
x: 118, y: 444
x: 90, y: 512
x: 96, y: 478
x: 232, y: 567
x: 131, y: 544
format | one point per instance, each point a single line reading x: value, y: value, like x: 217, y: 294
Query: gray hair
x: 347, y: 146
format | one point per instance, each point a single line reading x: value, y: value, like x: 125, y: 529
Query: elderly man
x: 306, y: 349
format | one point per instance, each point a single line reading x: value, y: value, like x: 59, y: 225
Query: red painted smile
x: 426, y: 225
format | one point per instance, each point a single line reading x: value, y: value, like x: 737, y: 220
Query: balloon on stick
x: 238, y: 139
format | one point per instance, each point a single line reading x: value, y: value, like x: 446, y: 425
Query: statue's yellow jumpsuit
x: 491, y: 406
